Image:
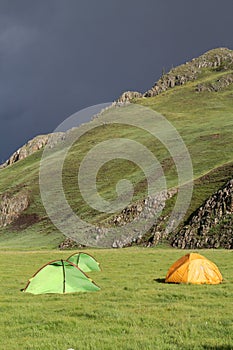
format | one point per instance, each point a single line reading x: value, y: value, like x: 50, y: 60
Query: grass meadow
x: 133, y: 310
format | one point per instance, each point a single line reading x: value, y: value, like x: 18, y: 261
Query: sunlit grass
x: 133, y: 310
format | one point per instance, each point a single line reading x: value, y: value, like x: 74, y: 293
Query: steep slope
x: 203, y: 118
x: 211, y: 225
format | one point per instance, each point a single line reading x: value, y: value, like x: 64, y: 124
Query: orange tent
x: 194, y: 268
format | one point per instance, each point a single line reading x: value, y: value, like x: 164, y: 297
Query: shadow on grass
x: 160, y: 280
x: 220, y: 347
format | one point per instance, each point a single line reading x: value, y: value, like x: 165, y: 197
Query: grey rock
x: 127, y: 96
x: 32, y: 146
x: 211, y: 225
x: 11, y: 206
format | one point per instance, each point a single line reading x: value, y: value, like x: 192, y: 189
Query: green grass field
x: 133, y: 310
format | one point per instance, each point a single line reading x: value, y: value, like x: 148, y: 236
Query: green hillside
x: 204, y: 119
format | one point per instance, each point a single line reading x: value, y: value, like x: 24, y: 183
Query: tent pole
x: 64, y: 276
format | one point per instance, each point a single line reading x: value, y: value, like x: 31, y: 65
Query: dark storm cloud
x: 57, y: 57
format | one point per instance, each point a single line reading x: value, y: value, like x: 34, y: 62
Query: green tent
x: 60, y: 276
x: 84, y: 261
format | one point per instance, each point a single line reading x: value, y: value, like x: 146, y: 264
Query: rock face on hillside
x: 211, y: 225
x: 11, y: 206
x: 143, y: 210
x: 217, y: 85
x: 31, y: 147
x: 128, y: 96
x: 219, y: 59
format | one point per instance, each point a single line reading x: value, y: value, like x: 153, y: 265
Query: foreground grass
x: 131, y: 311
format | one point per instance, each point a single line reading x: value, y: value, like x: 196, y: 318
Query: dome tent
x: 60, y: 276
x: 194, y: 268
x: 84, y: 261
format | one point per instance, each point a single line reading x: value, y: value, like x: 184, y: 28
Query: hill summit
x: 220, y: 59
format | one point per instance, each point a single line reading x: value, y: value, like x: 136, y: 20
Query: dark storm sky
x: 59, y: 56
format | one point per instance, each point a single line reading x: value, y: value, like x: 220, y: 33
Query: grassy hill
x: 203, y: 119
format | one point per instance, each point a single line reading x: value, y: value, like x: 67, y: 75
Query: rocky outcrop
x: 33, y: 146
x: 30, y: 147
x: 211, y: 225
x: 220, y: 59
x: 149, y: 207
x: 146, y: 209
x: 217, y: 85
x: 141, y: 211
x: 128, y: 96
x: 172, y: 79
x: 11, y: 206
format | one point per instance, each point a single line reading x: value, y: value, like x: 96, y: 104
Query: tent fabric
x: 60, y: 276
x: 194, y: 268
x: 84, y: 261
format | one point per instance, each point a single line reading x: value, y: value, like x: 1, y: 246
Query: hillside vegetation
x: 202, y: 116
